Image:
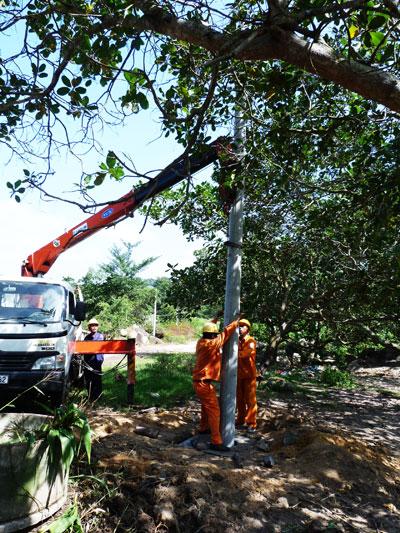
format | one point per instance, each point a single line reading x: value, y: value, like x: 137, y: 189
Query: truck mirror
x: 80, y: 311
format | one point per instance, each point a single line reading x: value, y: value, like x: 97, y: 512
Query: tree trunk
x: 270, y: 353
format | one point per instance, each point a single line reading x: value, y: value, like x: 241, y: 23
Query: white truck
x: 39, y: 324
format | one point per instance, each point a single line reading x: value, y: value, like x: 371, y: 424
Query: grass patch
x: 164, y: 380
x: 305, y: 381
x: 141, y: 361
x: 179, y: 333
x: 185, y: 331
x: 384, y: 392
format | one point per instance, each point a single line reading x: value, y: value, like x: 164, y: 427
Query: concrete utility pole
x: 232, y: 304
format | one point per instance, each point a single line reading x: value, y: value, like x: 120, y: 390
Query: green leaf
x: 67, y: 520
x: 377, y: 22
x: 63, y: 91
x: 117, y: 173
x: 99, y: 178
x: 130, y: 77
x: 111, y: 160
x: 68, y: 444
x: 66, y: 81
x: 376, y: 37
x: 137, y: 42
x: 52, y: 440
x: 87, y: 439
x: 142, y: 100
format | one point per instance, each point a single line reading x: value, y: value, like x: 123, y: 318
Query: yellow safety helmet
x: 93, y: 322
x: 210, y: 327
x: 245, y: 322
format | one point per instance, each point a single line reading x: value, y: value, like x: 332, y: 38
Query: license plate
x: 3, y: 380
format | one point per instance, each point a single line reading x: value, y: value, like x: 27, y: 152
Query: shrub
x: 336, y: 378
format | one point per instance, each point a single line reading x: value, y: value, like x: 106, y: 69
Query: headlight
x: 54, y: 362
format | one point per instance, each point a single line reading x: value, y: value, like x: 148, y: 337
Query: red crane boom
x: 39, y: 262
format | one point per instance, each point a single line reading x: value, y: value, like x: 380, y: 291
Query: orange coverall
x: 207, y: 369
x: 246, y: 400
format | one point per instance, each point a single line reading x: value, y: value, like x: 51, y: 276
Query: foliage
x: 336, y: 378
x: 115, y: 294
x: 67, y: 421
x: 69, y: 519
x: 66, y: 430
x: 320, y: 257
x: 94, y: 63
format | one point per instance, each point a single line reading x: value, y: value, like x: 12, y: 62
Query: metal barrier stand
x: 113, y: 347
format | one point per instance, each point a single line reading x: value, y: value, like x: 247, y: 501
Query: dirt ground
x: 317, y: 462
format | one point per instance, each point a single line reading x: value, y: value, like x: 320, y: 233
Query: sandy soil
x: 336, y: 467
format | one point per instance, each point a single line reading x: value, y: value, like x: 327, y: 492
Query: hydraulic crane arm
x: 39, y: 263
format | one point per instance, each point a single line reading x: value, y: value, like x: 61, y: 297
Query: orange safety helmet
x: 245, y: 322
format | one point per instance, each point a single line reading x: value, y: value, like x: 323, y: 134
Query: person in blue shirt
x: 93, y: 379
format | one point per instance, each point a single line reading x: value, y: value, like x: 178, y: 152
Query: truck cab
x: 40, y: 321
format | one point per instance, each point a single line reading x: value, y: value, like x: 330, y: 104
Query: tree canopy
x: 105, y: 61
x: 115, y: 294
x: 320, y: 256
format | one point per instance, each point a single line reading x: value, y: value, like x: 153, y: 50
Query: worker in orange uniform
x: 246, y: 401
x: 206, y: 370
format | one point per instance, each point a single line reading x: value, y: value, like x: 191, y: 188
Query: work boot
x: 219, y: 447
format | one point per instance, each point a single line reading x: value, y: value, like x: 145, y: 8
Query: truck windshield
x: 35, y: 301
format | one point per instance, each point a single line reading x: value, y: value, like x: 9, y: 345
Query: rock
x: 142, y: 339
x: 145, y: 523
x: 279, y: 384
x: 216, y: 476
x: 282, y: 503
x: 237, y: 460
x: 165, y: 513
x: 264, y: 445
x: 155, y: 340
x: 269, y: 461
x: 354, y: 366
x: 289, y: 437
x: 147, y: 432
